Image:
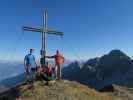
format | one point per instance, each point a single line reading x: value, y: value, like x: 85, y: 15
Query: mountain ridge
x: 111, y: 68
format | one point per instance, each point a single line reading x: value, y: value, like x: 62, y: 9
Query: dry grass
x: 60, y: 90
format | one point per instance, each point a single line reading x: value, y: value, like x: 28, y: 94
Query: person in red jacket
x: 59, y: 60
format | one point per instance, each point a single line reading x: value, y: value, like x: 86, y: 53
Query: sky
x: 91, y: 27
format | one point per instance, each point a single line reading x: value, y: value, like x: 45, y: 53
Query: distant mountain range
x: 10, y: 69
x: 113, y: 68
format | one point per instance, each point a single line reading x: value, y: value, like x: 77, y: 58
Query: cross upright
x: 43, y: 30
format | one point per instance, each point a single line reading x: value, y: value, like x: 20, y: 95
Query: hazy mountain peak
x: 117, y: 52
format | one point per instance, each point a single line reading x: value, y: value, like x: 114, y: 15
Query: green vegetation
x: 59, y: 90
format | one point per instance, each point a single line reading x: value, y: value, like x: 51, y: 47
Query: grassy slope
x: 60, y: 90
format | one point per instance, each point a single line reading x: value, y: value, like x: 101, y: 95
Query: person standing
x: 59, y: 60
x: 29, y: 63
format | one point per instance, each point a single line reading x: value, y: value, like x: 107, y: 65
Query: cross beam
x: 43, y: 30
x: 53, y: 32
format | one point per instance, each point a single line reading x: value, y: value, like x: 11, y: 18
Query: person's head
x: 31, y: 51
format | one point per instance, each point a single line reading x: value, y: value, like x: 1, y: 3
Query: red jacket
x: 49, y: 71
x: 59, y: 59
